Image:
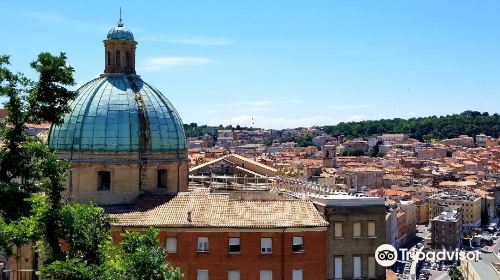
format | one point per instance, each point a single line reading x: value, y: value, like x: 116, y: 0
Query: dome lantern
x: 119, y: 49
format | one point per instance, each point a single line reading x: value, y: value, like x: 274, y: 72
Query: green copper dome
x: 119, y: 113
x: 120, y: 32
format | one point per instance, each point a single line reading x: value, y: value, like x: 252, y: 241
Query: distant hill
x: 467, y: 123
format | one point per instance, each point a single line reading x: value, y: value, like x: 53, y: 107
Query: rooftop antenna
x: 120, y: 23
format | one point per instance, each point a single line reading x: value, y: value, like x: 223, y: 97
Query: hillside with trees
x: 425, y: 128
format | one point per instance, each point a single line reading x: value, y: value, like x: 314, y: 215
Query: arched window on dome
x: 127, y: 59
x: 109, y: 58
x: 117, y: 58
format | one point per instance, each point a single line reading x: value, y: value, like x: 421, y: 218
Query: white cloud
x: 161, y: 63
x: 349, y: 107
x: 253, y: 103
x: 412, y: 114
x: 188, y: 39
x: 55, y: 18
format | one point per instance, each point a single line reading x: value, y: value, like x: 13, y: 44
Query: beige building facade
x: 471, y: 205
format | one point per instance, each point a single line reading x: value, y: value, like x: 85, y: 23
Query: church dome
x: 116, y: 113
x: 120, y: 32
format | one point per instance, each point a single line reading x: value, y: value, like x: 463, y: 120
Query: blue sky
x: 277, y: 64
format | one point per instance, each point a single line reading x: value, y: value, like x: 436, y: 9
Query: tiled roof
x: 218, y: 211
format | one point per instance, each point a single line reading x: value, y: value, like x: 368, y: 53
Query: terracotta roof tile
x: 217, y: 210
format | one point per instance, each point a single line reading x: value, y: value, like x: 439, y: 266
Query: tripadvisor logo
x: 386, y: 255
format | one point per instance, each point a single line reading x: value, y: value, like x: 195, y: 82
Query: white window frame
x: 338, y: 230
x: 171, y: 249
x: 234, y: 241
x: 298, y: 274
x: 356, y: 267
x: 233, y: 275
x: 299, y: 242
x: 356, y: 230
x: 266, y: 245
x: 203, y: 245
x: 338, y: 264
x: 200, y: 274
x: 372, y: 229
x: 266, y: 275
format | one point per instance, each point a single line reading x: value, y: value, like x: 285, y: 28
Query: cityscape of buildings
x: 251, y: 204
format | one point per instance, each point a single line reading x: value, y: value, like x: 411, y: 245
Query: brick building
x: 210, y: 236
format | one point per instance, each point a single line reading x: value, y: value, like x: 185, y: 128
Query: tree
x: 455, y: 273
x: 376, y: 150
x: 139, y: 256
x: 423, y: 129
x: 27, y: 165
x: 86, y: 228
x: 352, y: 152
x: 144, y: 258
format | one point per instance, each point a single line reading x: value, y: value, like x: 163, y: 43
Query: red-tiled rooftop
x: 210, y: 210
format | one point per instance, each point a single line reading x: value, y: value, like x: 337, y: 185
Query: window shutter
x: 233, y: 275
x: 171, y: 245
x: 357, y: 267
x: 298, y: 274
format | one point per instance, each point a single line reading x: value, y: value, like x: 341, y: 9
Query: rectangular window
x: 103, y: 180
x: 171, y: 245
x: 338, y: 268
x: 356, y: 230
x: 162, y: 179
x: 233, y: 275
x: 371, y: 229
x: 371, y: 267
x: 297, y: 274
x: 234, y: 245
x: 356, y: 263
x: 298, y: 244
x: 203, y: 244
x: 338, y: 230
x: 266, y: 275
x: 266, y: 245
x: 202, y: 275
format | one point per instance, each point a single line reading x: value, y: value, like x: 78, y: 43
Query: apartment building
x: 357, y: 227
x: 471, y: 205
x: 446, y: 229
x: 210, y: 236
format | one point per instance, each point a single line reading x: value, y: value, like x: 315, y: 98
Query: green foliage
x: 304, y: 141
x: 455, y: 274
x: 72, y: 269
x: 193, y: 130
x: 86, y: 229
x: 469, y: 122
x: 23, y: 158
x: 139, y: 257
x: 352, y: 152
x: 49, y: 98
x: 144, y: 258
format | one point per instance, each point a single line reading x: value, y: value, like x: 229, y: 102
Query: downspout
x: 283, y: 254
